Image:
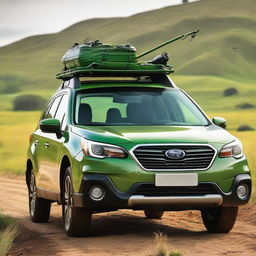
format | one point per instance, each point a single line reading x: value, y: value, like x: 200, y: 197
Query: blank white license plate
x: 176, y: 179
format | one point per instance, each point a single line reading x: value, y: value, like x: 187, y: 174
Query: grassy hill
x: 223, y: 55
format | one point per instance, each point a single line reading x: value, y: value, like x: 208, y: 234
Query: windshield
x: 137, y: 107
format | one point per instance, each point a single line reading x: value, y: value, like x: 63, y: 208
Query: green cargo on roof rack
x: 94, y: 58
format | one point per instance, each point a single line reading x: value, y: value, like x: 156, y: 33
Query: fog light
x: 242, y: 191
x: 97, y: 193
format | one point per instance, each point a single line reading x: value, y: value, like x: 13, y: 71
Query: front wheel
x: 39, y: 208
x: 77, y: 220
x: 220, y: 219
x: 153, y: 214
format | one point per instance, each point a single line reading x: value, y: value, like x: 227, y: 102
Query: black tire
x: 39, y: 208
x: 153, y: 214
x: 220, y: 219
x: 77, y: 220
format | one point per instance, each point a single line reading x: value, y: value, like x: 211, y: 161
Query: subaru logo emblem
x: 175, y: 153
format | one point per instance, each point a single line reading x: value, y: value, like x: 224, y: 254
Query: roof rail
x: 75, y: 82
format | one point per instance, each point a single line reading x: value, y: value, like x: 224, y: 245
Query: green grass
x: 15, y: 129
x: 222, y: 56
x: 208, y: 92
x: 5, y: 221
x: 161, y: 246
x: 236, y: 118
x: 224, y: 49
x: 8, y: 232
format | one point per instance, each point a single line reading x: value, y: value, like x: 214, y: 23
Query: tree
x: 184, y: 1
x: 29, y: 102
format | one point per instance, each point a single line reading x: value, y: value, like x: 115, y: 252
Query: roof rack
x: 142, y: 70
x: 94, y: 58
x: 75, y: 82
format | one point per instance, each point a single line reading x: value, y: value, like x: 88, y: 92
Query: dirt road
x: 124, y: 232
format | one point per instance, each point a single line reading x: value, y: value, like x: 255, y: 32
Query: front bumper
x: 146, y: 196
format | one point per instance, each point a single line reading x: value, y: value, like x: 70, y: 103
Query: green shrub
x: 29, y: 102
x: 245, y: 105
x: 244, y: 127
x: 230, y: 91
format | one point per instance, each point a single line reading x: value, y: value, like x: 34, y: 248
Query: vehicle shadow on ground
x: 120, y: 224
x: 124, y: 224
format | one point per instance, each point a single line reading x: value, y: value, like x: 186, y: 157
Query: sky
x: 22, y: 18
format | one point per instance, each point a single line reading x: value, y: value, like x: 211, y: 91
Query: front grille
x: 152, y: 190
x: 197, y: 157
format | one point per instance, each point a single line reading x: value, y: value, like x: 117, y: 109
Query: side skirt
x: 48, y: 194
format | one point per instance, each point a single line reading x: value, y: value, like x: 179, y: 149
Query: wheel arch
x: 65, y: 162
x: 29, y: 168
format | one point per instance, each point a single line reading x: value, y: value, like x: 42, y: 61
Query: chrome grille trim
x: 154, y: 152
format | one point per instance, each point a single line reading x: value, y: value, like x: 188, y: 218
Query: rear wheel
x: 39, y: 208
x: 77, y: 220
x: 153, y: 214
x: 220, y: 219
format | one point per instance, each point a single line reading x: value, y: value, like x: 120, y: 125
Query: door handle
x: 46, y: 145
x: 36, y: 142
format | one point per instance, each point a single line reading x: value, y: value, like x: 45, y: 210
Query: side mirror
x: 50, y: 125
x: 220, y: 121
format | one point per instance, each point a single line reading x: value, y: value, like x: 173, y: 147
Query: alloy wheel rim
x: 32, y: 194
x: 67, y: 202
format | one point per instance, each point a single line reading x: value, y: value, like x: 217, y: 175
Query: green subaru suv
x: 138, y: 143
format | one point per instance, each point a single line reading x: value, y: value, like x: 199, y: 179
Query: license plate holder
x: 176, y: 180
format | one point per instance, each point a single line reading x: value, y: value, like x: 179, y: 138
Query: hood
x: 133, y: 135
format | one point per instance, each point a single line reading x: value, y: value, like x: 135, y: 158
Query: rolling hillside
x: 223, y: 55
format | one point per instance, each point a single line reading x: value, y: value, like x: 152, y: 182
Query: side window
x: 44, y: 114
x: 53, y: 108
x: 62, y: 111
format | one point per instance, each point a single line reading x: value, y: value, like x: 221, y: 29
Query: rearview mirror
x: 50, y: 125
x: 220, y: 121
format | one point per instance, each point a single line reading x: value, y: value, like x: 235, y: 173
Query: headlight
x: 233, y: 149
x: 101, y: 150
